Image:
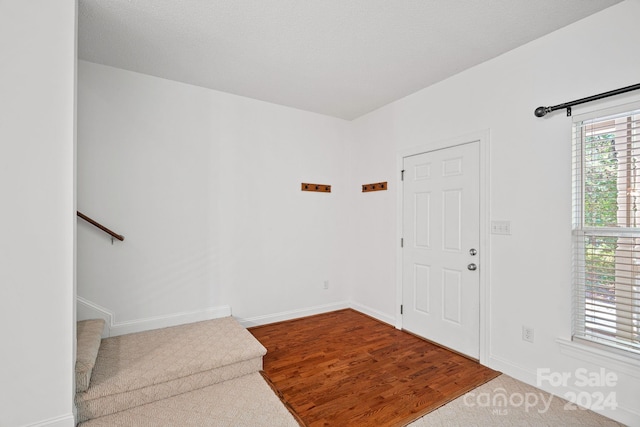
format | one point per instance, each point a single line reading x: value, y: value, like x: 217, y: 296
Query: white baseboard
x: 139, y: 325
x: 67, y: 420
x: 89, y: 310
x: 292, y: 314
x: 625, y: 415
x: 513, y: 370
x: 378, y: 315
x: 319, y: 309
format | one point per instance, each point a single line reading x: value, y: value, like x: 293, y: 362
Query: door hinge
x: 402, y: 242
x: 401, y: 308
x: 402, y: 175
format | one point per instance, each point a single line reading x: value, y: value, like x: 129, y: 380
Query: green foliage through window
x: 607, y: 234
x: 600, y: 181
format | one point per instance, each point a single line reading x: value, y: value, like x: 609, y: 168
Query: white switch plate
x: 501, y: 227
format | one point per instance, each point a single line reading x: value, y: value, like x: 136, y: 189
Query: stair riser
x: 88, y: 409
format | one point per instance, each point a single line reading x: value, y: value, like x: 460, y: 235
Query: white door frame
x: 483, y: 138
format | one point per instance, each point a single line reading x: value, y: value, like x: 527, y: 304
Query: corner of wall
x: 293, y: 314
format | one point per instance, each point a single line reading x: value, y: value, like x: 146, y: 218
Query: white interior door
x: 441, y: 216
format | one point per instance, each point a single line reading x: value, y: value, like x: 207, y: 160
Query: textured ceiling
x: 342, y: 58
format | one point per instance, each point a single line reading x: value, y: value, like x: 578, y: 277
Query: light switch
x: 501, y: 227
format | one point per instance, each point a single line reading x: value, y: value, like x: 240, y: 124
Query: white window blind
x: 606, y: 230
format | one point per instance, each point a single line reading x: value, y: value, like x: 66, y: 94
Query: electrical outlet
x: 527, y: 334
x: 326, y: 284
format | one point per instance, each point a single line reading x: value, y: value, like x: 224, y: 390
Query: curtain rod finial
x: 541, y: 111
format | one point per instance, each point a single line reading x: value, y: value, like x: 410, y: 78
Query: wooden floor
x: 346, y: 369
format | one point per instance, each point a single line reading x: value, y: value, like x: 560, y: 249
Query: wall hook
x: 322, y: 188
x: 378, y: 186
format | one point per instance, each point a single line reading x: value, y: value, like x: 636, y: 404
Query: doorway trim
x: 483, y: 139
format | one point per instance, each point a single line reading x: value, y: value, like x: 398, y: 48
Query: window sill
x: 613, y: 360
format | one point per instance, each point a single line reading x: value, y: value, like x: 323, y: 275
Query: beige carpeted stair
x: 129, y: 374
x: 246, y: 401
x: 89, y: 337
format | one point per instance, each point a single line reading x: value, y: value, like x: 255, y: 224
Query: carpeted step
x: 89, y: 336
x: 247, y: 401
x: 137, y: 369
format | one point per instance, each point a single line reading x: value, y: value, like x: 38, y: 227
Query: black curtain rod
x: 541, y: 111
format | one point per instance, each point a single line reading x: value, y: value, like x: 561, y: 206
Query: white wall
x: 37, y: 113
x: 205, y: 187
x: 373, y: 215
x: 530, y: 184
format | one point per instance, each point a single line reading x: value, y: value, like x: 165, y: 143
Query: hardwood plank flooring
x: 345, y: 368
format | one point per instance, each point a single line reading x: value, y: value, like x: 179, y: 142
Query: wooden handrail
x: 100, y: 226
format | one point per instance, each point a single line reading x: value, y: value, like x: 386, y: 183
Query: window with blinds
x: 606, y: 230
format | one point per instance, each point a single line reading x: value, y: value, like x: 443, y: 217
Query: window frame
x: 580, y: 232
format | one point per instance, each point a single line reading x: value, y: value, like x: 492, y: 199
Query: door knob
x: 472, y: 252
x: 472, y: 267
